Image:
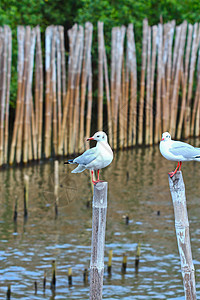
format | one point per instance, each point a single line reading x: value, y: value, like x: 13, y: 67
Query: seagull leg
x: 180, y: 165
x: 93, y: 181
x: 171, y: 174
x: 98, y: 180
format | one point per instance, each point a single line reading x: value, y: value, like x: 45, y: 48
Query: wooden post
x: 98, y: 240
x: 177, y: 189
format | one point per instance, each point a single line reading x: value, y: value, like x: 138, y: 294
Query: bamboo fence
x: 55, y: 110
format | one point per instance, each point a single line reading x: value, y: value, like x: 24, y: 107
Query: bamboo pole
x: 89, y: 103
x: 142, y: 82
x: 37, y: 90
x: 77, y: 92
x: 195, y: 44
x: 122, y: 109
x: 53, y: 90
x: 48, y: 38
x: 113, y: 81
x: 28, y: 96
x: 98, y: 240
x: 100, y: 75
x: 20, y: 67
x: 118, y: 59
x: 153, y: 65
x: 3, y: 93
x: 62, y: 50
x: 148, y: 89
x: 177, y: 189
x: 109, y: 113
x: 132, y: 130
x: 185, y: 81
x: 23, y: 93
x: 169, y: 71
x: 76, y: 46
x: 59, y: 81
x: 86, y: 51
x: 164, y: 104
x: 6, y: 136
x: 40, y: 116
x: 158, y: 86
x: 176, y: 85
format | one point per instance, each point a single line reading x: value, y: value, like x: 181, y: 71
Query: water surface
x: 138, y: 187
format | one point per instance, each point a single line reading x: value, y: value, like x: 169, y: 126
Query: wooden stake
x: 98, y: 240
x: 70, y: 276
x: 124, y: 264
x: 177, y: 189
x: 53, y: 280
x: 110, y: 262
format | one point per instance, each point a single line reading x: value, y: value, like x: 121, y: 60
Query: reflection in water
x: 138, y: 188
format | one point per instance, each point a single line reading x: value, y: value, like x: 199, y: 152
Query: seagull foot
x: 96, y: 181
x: 171, y: 174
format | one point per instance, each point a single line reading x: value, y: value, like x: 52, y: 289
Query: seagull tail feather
x: 79, y: 169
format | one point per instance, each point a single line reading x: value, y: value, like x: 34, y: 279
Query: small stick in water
x: 137, y: 259
x: 124, y: 264
x: 35, y: 284
x: 85, y: 276
x: 110, y: 262
x: 53, y: 281
x: 8, y: 294
x: 44, y: 282
x: 70, y: 276
x: 15, y: 210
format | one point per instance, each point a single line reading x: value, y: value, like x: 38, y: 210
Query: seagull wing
x: 87, y: 157
x: 184, y: 149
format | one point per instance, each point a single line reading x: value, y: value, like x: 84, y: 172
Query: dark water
x: 138, y: 186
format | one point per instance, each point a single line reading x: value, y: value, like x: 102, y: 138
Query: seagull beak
x: 90, y: 139
x: 162, y: 139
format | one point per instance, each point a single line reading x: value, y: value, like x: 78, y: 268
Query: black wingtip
x: 70, y: 161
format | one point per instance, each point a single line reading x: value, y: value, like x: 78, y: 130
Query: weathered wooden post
x: 177, y: 189
x: 98, y: 240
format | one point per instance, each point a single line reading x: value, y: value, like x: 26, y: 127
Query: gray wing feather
x: 184, y: 149
x: 87, y: 157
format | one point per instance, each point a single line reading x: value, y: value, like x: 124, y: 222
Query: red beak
x: 90, y: 139
x: 162, y: 139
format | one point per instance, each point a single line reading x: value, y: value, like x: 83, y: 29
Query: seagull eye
x: 103, y: 136
x: 97, y: 135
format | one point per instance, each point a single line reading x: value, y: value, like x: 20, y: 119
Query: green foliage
x: 112, y: 13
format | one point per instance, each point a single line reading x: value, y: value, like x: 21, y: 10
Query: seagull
x: 177, y: 151
x: 95, y: 158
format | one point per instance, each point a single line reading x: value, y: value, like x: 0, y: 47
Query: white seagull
x: 95, y: 158
x: 177, y: 151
